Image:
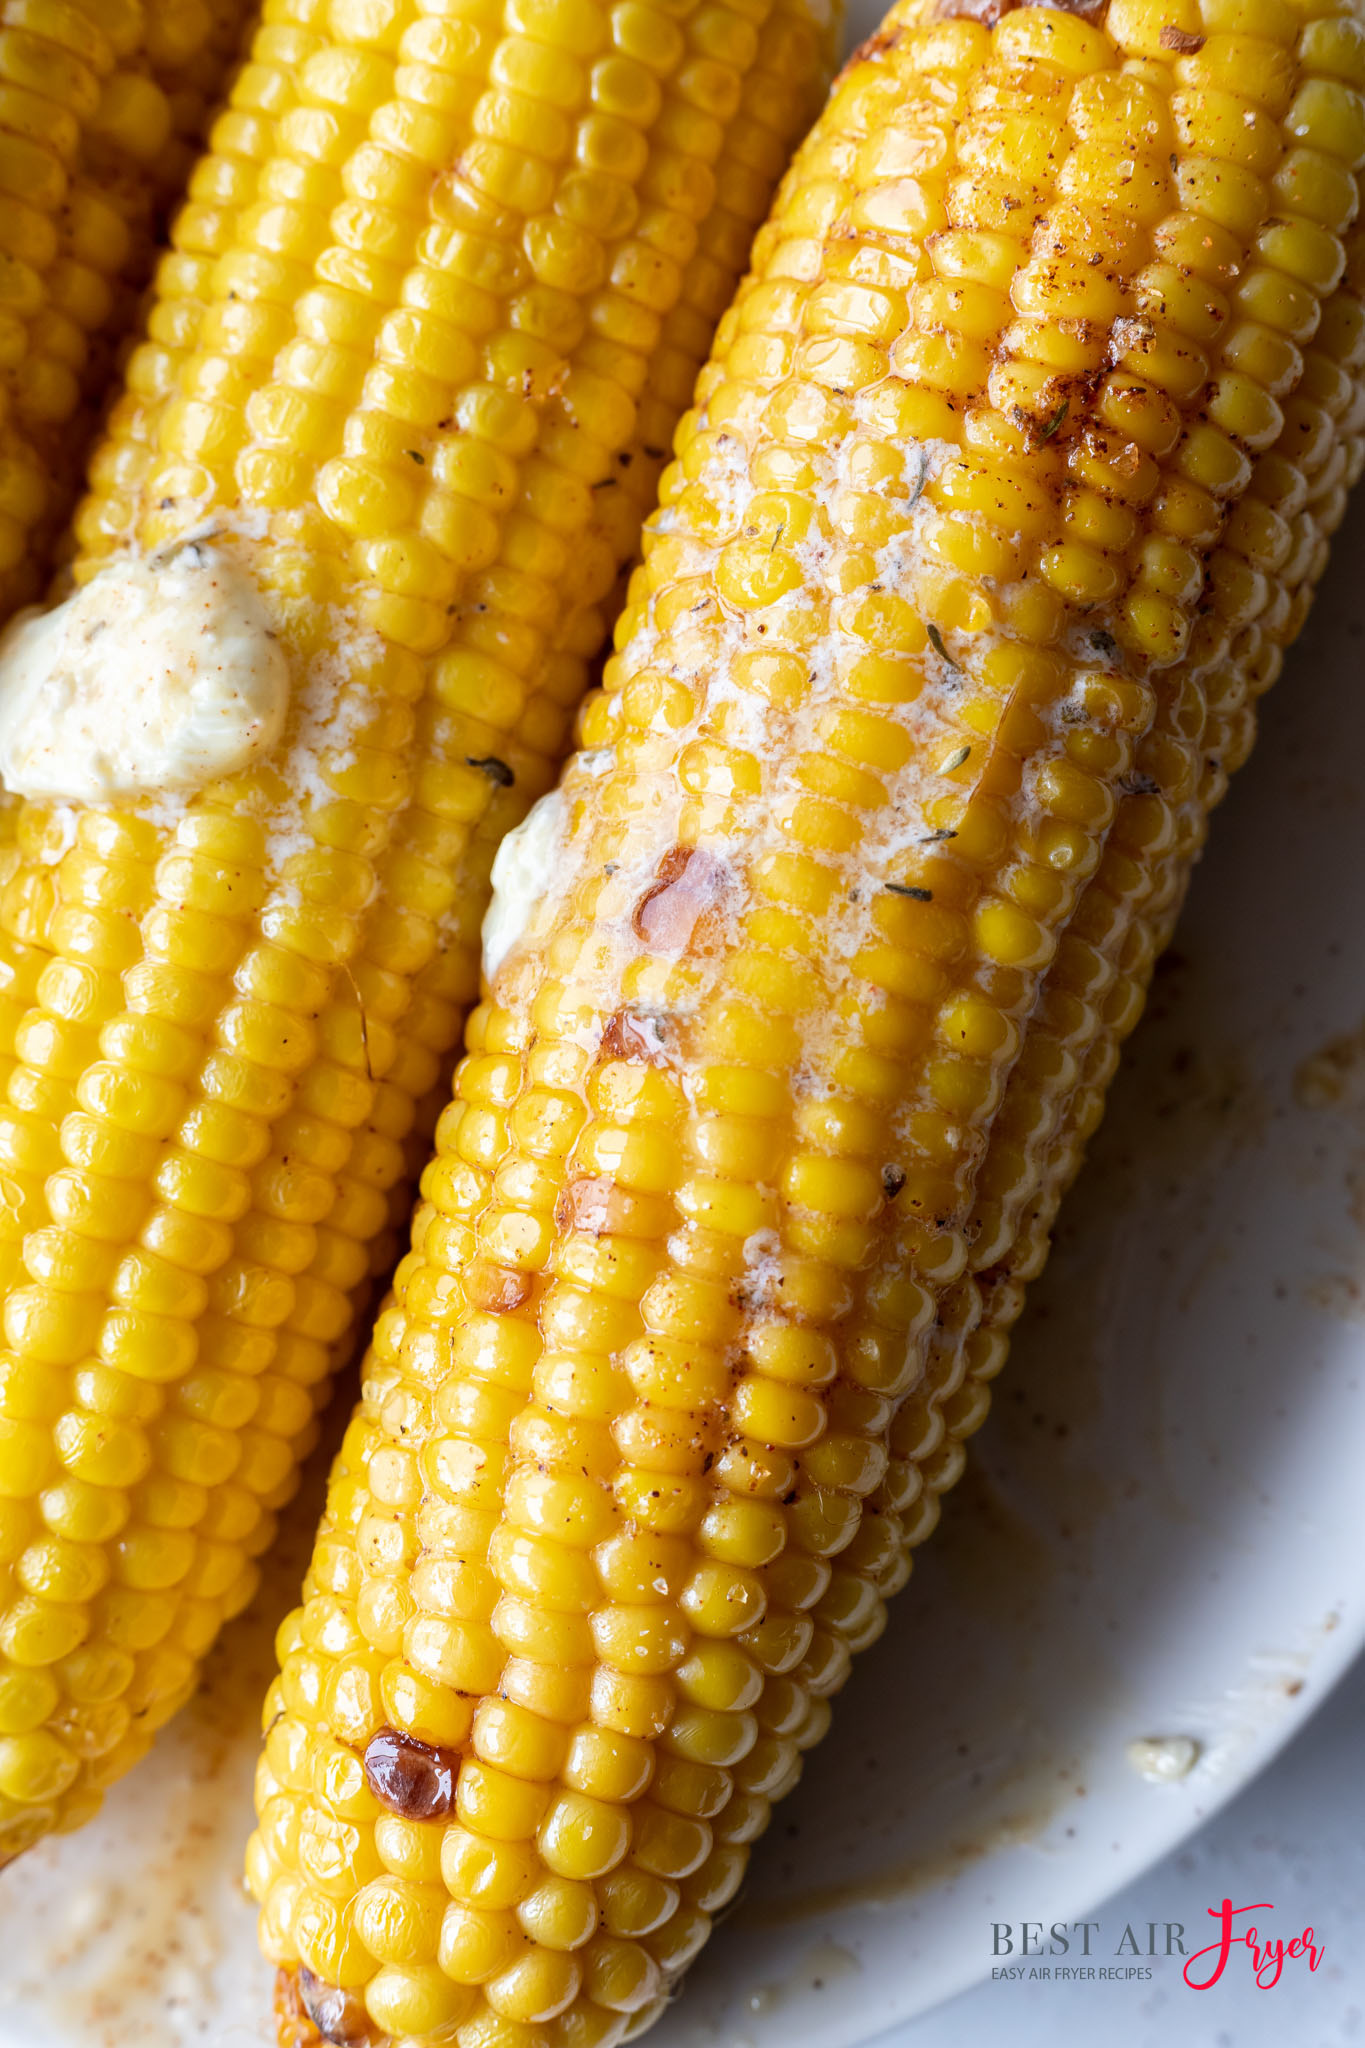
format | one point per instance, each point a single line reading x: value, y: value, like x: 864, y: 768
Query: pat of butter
x: 523, y: 870
x: 160, y: 674
x: 528, y: 866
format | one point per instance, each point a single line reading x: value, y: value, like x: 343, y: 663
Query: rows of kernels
x: 243, y: 146
x: 1260, y: 577
x: 91, y: 119
x: 1127, y: 910
x: 1203, y: 732
x: 580, y: 1374
x: 325, y: 995
x: 513, y: 629
x: 846, y: 1600
x: 513, y: 615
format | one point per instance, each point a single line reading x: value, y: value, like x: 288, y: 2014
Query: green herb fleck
x: 418, y: 456
x: 908, y: 889
x: 937, y: 838
x: 1050, y: 426
x: 936, y: 642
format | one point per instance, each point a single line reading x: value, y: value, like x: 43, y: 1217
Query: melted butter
x: 522, y: 873
x: 1163, y: 1759
x: 528, y: 865
x: 160, y: 674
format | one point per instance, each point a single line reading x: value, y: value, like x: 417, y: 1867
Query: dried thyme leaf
x: 936, y: 642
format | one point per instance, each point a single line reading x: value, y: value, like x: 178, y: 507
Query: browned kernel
x: 586, y: 1204
x: 690, y: 880
x: 499, y: 1289
x: 1181, y: 40
x: 413, y: 1779
x: 635, y: 1035
x: 339, y: 2016
x: 293, y: 2028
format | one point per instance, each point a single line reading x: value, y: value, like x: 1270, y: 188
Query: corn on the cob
x: 100, y: 101
x: 1096, y: 989
x: 1005, y: 488
x: 446, y: 272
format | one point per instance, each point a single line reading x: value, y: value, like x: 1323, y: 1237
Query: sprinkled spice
x: 954, y: 760
x: 893, y: 1180
x: 414, y: 1780
x: 496, y: 770
x: 922, y: 479
x: 937, y: 838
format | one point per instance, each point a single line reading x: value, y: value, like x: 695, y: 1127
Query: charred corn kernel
x: 981, y: 537
x: 427, y: 323
x: 100, y: 109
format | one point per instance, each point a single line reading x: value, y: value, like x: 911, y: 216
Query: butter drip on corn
x: 428, y: 320
x: 1005, y: 488
x: 528, y: 869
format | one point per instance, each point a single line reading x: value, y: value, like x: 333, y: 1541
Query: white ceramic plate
x: 1162, y: 1532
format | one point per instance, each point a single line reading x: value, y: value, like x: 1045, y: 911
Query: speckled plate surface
x: 1161, y: 1533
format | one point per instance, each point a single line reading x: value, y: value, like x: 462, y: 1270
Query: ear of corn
x: 443, y: 281
x: 1097, y: 986
x: 1006, y: 486
x: 100, y: 103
